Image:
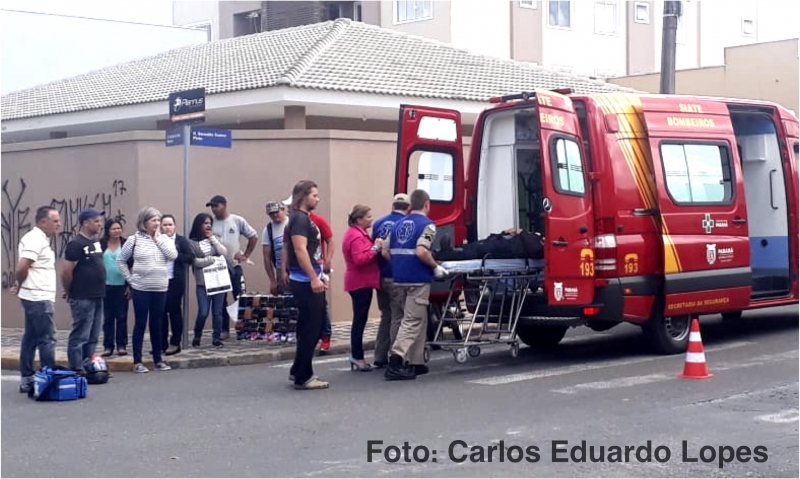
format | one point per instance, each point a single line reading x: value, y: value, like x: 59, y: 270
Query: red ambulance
x: 654, y: 208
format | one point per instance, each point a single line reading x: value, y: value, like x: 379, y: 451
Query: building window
x: 697, y: 173
x: 412, y: 11
x: 569, y: 168
x: 641, y: 12
x: 357, y: 11
x: 527, y: 4
x: 748, y: 27
x: 605, y: 16
x: 559, y: 14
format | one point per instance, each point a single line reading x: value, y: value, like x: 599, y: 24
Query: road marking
x: 637, y: 380
x: 9, y: 378
x: 337, y: 359
x: 744, y: 395
x: 512, y: 378
x: 614, y: 383
x: 783, y: 417
x: 758, y: 361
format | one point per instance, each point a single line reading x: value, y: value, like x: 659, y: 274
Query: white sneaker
x: 140, y: 368
x: 162, y: 366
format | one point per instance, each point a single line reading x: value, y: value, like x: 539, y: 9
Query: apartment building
x: 599, y: 38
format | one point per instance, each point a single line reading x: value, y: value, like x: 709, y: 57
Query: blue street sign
x: 210, y: 137
x: 174, y: 137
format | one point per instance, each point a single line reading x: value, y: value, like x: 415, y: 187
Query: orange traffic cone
x: 695, y: 365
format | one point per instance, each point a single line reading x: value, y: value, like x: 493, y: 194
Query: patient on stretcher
x: 509, y: 244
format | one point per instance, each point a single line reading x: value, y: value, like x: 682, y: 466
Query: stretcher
x: 505, y: 281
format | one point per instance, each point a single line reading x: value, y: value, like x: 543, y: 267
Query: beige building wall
x: 763, y: 71
x: 438, y: 27
x: 526, y: 33
x: 122, y: 172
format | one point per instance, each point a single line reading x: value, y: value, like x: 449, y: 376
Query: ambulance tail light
x: 605, y: 250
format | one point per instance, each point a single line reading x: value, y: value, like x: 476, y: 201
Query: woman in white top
x: 151, y: 251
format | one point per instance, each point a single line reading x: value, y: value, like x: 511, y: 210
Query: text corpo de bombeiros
x: 562, y: 451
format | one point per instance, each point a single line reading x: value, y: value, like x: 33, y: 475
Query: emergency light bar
x: 525, y: 96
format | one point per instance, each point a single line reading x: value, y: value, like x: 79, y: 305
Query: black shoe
x: 420, y: 369
x: 405, y: 373
x: 397, y: 371
x: 25, y: 388
x: 217, y: 343
x: 196, y: 342
x: 379, y: 364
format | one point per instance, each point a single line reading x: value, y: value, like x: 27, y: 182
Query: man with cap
x: 272, y: 245
x: 389, y: 301
x: 228, y: 228
x: 84, y: 280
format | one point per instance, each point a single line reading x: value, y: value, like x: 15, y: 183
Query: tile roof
x: 338, y: 55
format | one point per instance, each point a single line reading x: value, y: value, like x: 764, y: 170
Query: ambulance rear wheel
x: 541, y: 337
x: 668, y: 334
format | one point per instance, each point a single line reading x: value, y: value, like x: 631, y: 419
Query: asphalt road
x: 601, y: 388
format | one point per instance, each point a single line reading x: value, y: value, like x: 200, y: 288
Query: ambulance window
x: 568, y: 166
x: 432, y: 171
x: 697, y: 173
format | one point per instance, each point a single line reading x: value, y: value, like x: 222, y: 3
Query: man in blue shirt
x: 389, y: 302
x: 413, y: 269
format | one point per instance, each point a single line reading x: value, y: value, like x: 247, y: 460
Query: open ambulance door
x: 567, y: 204
x: 699, y: 189
x: 430, y: 157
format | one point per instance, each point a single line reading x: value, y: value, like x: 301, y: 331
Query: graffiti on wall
x: 18, y: 218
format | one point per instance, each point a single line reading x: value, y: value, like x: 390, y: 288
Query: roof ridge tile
x: 338, y: 27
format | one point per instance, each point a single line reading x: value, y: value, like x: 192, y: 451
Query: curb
x: 125, y: 364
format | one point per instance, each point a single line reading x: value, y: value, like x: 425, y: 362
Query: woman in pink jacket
x: 360, y: 278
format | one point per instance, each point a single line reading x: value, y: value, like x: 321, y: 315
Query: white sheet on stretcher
x: 497, y: 265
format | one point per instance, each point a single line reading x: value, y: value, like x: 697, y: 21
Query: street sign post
x: 186, y: 108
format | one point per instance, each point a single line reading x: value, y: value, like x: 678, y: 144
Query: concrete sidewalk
x: 235, y: 353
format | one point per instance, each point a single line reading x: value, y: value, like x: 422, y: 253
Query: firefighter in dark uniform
x: 413, y: 268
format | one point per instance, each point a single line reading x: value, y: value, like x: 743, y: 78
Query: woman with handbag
x: 207, y: 248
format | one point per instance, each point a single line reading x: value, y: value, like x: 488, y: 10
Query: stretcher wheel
x: 461, y: 356
x: 474, y: 351
x: 514, y: 350
x: 426, y: 354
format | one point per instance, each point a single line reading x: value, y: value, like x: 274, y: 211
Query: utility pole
x: 672, y: 11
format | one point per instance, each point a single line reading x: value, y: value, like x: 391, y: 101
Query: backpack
x: 58, y: 384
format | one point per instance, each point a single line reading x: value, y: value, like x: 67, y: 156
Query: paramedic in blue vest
x: 413, y: 269
x: 389, y: 302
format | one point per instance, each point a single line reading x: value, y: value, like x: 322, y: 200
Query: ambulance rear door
x: 567, y: 204
x: 430, y: 157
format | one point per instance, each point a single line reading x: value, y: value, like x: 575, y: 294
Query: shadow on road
x: 627, y: 341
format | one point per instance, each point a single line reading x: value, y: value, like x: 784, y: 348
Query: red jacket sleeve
x: 360, y: 248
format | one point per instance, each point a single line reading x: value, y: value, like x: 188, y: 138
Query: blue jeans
x: 87, y: 321
x: 115, y: 317
x: 216, y: 304
x: 147, y: 304
x: 40, y: 332
x: 327, y: 330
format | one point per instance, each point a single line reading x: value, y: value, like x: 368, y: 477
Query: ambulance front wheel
x: 668, y: 334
